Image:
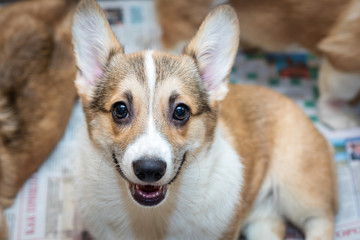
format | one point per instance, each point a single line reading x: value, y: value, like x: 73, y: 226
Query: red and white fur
x: 237, y: 158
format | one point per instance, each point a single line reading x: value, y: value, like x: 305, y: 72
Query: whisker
x: 103, y: 157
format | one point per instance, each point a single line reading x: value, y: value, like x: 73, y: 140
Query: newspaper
x: 134, y: 23
x: 348, y: 168
x: 44, y: 207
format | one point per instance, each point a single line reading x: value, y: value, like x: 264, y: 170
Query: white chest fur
x: 200, y: 203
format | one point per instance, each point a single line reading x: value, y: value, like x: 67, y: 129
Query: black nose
x: 149, y: 170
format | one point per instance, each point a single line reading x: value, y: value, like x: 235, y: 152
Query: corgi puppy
x: 171, y: 151
x: 37, y: 92
x: 276, y: 25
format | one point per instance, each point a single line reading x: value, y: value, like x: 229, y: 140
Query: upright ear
x: 214, y: 48
x: 93, y: 42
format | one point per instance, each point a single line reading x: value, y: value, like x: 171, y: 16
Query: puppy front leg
x: 336, y: 90
x: 265, y: 220
x: 319, y: 228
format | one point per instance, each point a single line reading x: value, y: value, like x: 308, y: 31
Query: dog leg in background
x: 337, y: 89
x: 340, y: 72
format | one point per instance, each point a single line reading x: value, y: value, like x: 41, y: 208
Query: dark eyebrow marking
x: 174, y: 95
x: 137, y: 63
x: 129, y: 97
x: 99, y: 108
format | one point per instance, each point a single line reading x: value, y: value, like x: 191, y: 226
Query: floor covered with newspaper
x: 44, y: 208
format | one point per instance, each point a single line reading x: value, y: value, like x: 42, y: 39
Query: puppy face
x: 147, y: 112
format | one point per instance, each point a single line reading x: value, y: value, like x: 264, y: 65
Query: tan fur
x: 180, y: 19
x: 272, y: 25
x: 37, y: 71
x: 3, y: 227
x: 262, y: 131
x: 341, y: 46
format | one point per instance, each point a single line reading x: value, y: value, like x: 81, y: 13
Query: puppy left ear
x: 93, y: 42
x: 214, y: 48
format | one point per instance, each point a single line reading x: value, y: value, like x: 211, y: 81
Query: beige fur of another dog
x: 37, y: 93
x: 325, y: 27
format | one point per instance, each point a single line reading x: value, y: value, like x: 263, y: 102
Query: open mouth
x: 148, y: 195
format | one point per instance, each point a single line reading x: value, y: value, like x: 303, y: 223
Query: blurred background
x: 44, y: 208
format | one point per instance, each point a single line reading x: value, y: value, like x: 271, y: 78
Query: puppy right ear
x: 93, y: 42
x: 214, y: 48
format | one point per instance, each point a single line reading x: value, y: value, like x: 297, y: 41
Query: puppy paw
x: 336, y: 114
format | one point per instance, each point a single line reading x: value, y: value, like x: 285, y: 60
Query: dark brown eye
x: 119, y: 111
x: 181, y: 113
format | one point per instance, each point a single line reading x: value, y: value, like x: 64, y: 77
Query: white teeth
x: 148, y: 195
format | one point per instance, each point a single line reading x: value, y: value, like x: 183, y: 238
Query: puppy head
x: 150, y: 111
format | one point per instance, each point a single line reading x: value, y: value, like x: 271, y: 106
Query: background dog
x: 37, y: 93
x: 171, y: 151
x: 275, y: 25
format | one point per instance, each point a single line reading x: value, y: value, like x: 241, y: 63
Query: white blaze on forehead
x: 151, y: 143
x: 151, y: 75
